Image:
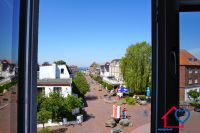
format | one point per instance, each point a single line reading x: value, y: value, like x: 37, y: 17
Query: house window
x: 196, y: 81
x: 190, y: 59
x: 190, y: 70
x: 190, y: 81
x: 62, y: 71
x: 57, y: 89
x: 196, y: 71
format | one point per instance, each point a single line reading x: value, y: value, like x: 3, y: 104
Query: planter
x: 142, y: 102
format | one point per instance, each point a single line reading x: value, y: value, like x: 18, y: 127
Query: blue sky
x: 190, y: 32
x: 83, y: 31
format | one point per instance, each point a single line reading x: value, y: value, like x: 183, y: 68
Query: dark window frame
x: 62, y: 70
x: 27, y: 84
x: 165, y: 57
x: 165, y: 45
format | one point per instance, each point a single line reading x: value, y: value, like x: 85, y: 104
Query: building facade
x: 54, y: 78
x: 189, y: 74
x: 114, y: 69
x: 94, y: 68
x: 105, y: 69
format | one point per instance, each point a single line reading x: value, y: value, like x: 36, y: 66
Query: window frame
x: 28, y: 44
x: 162, y: 10
x: 165, y: 57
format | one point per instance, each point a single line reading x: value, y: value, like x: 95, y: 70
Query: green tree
x: 60, y: 62
x: 54, y: 104
x: 80, y: 84
x: 43, y: 116
x: 136, y: 68
x: 72, y: 102
x: 194, y: 94
x: 40, y: 99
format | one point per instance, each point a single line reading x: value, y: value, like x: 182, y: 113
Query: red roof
x: 187, y: 58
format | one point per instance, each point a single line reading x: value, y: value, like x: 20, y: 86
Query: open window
x: 168, y: 71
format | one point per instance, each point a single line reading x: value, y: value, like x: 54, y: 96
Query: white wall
x: 65, y: 74
x: 66, y: 90
x: 53, y: 71
x: 47, y: 72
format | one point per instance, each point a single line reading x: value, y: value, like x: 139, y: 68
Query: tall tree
x: 136, y: 68
x: 60, y: 62
x: 80, y: 84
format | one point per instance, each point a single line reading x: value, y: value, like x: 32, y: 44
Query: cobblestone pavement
x: 98, y: 112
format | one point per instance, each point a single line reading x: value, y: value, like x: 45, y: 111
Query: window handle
x: 174, y: 57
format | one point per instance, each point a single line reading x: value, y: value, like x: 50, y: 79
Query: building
x: 74, y: 69
x: 55, y: 78
x: 94, y: 68
x: 7, y: 69
x: 104, y: 69
x: 189, y: 74
x: 114, y: 70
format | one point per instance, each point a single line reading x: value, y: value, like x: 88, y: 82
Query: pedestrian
x: 124, y: 113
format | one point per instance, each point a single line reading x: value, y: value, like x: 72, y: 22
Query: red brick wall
x: 182, y: 79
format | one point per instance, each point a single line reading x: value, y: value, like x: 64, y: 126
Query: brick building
x: 189, y: 74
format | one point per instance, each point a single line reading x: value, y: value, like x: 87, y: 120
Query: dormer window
x: 190, y: 59
x: 62, y: 71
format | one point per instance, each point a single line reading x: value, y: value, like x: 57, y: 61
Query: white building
x: 104, y: 69
x: 53, y: 72
x: 55, y: 78
x: 7, y: 70
x: 114, y: 70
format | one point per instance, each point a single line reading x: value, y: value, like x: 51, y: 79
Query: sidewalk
x: 142, y: 129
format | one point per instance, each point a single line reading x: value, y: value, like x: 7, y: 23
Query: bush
x: 130, y: 101
x: 130, y: 94
x: 194, y: 104
x: 8, y: 86
x: 109, y: 87
x: 46, y: 130
x: 142, y: 97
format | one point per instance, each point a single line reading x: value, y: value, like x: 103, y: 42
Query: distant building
x: 94, y: 68
x: 104, y: 69
x: 74, y: 69
x: 114, y: 70
x: 189, y: 74
x: 7, y: 69
x: 55, y: 78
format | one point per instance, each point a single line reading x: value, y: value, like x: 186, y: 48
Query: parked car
x: 197, y: 108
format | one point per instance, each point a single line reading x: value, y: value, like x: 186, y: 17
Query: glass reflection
x: 9, y: 34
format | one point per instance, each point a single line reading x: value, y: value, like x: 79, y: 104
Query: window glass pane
x: 189, y: 67
x: 9, y: 34
x: 97, y: 54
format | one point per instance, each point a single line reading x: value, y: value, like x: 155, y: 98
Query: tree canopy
x: 80, y: 85
x: 136, y: 67
x: 60, y: 62
x: 59, y: 107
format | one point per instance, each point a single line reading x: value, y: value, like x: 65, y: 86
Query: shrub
x: 193, y: 94
x: 194, y: 104
x: 142, y: 97
x: 109, y: 87
x: 130, y: 101
x: 46, y: 130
